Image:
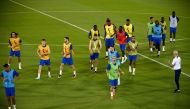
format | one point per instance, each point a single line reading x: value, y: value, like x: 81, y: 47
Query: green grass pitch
x: 151, y: 88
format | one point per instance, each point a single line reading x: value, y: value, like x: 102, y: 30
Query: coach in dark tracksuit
x: 176, y: 64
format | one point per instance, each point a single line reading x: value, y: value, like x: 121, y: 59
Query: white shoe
x: 49, y: 75
x: 38, y: 78
x: 19, y: 67
x: 133, y: 73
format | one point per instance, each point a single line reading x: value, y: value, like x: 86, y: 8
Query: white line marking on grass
x: 86, y: 31
x: 49, y: 15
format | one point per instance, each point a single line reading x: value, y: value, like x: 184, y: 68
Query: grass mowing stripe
x: 48, y: 15
x: 86, y: 31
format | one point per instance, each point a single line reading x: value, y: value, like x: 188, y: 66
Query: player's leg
x: 177, y: 75
x: 159, y: 40
x: 11, y: 54
x: 74, y: 71
x: 8, y: 94
x: 9, y: 102
x: 61, y: 70
x: 163, y: 42
x: 150, y: 39
x: 39, y: 71
x: 174, y: 34
x: 96, y: 55
x: 122, y: 48
x: 47, y: 62
x: 130, y: 64
x: 107, y: 47
x: 92, y: 61
x: 171, y: 32
x: 134, y: 66
x: 14, y: 102
x: 18, y: 55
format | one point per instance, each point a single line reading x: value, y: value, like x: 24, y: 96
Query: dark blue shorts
x: 122, y: 47
x: 10, y: 91
x: 163, y: 36
x: 150, y: 38
x: 173, y: 30
x: 128, y: 39
x: 94, y: 56
x: 132, y: 57
x: 44, y: 62
x: 157, y: 41
x: 15, y: 53
x: 109, y: 42
x: 68, y: 61
x: 114, y: 82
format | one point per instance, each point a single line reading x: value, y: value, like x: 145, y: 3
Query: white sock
x: 171, y: 40
x: 130, y: 69
x: 111, y: 93
x: 9, y: 107
x: 38, y: 75
x: 60, y: 72
x: 125, y: 56
x: 14, y: 106
x: 134, y: 70
x: 74, y: 72
x: 92, y: 65
x: 163, y: 48
x: 96, y: 68
x: 151, y: 50
x: 118, y: 81
x: 123, y: 59
x: 158, y: 52
x: 19, y: 64
x: 49, y: 74
x: 106, y: 53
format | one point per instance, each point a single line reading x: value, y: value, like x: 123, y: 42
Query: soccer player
x: 9, y: 77
x: 94, y: 31
x: 176, y: 64
x: 113, y: 71
x: 149, y: 33
x: 157, y: 35
x: 122, y: 38
x: 163, y: 24
x: 129, y: 29
x: 95, y: 47
x: 110, y: 31
x: 132, y: 49
x: 43, y: 52
x: 14, y: 44
x: 67, y: 57
x: 173, y: 26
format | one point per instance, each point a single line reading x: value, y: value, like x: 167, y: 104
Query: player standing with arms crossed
x: 14, y: 44
x: 43, y: 52
x: 95, y: 47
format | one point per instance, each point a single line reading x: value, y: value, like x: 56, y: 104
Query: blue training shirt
x: 9, y: 76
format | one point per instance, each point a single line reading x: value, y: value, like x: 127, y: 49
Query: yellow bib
x: 94, y: 32
x: 129, y: 29
x: 66, y: 50
x: 44, y: 51
x: 15, y: 42
x: 95, y: 45
x: 109, y: 31
x: 163, y: 27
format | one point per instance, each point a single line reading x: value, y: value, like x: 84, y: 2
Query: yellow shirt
x: 15, y: 43
x: 163, y: 27
x: 67, y: 49
x: 128, y: 29
x: 94, y: 32
x: 109, y: 31
x: 44, y: 51
x: 95, y: 45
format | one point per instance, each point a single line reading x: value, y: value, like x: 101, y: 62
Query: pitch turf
x: 151, y: 88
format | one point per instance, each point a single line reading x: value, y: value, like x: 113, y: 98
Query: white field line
x: 87, y: 31
x: 143, y: 13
